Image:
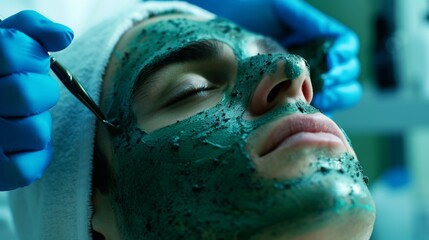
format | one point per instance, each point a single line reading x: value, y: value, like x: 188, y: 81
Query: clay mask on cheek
x: 195, y: 180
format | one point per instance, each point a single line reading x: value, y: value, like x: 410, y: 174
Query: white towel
x: 58, y: 206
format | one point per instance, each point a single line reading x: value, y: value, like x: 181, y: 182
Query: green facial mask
x: 194, y: 179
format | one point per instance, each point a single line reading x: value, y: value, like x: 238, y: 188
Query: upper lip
x: 294, y: 124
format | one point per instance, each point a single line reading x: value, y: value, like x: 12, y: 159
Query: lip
x: 300, y: 130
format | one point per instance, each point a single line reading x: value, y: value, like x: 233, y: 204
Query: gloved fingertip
x: 355, y: 93
x: 338, y: 97
x: 64, y: 36
x: 52, y: 36
x: 344, y: 48
x: 31, y: 165
x: 14, y: 175
x: 345, y: 72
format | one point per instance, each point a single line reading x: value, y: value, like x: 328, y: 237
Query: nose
x: 289, y: 83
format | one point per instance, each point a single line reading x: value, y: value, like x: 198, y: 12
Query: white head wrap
x: 58, y: 206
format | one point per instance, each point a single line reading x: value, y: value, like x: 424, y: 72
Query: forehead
x: 161, y: 35
x: 155, y: 39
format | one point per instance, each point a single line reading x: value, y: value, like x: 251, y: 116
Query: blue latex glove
x: 27, y: 92
x: 296, y: 22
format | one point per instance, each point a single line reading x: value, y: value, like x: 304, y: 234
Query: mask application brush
x: 74, y: 86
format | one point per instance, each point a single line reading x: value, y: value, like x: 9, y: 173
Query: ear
x: 103, y: 218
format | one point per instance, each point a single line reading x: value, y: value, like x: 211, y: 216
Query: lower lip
x: 310, y: 139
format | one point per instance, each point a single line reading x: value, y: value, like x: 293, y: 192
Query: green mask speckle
x: 194, y: 179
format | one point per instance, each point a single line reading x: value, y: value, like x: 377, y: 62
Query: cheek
x: 197, y: 149
x: 168, y: 168
x: 201, y: 136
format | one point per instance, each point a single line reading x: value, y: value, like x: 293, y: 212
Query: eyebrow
x: 201, y: 50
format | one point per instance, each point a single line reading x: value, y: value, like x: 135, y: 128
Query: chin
x: 355, y: 225
x: 331, y: 206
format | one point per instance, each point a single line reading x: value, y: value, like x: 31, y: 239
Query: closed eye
x: 188, y: 92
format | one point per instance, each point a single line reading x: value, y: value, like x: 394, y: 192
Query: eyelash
x: 189, y: 92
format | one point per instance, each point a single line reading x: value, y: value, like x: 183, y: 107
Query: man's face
x: 218, y: 140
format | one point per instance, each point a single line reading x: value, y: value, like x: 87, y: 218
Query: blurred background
x: 389, y: 128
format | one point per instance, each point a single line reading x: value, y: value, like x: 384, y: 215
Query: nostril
x: 281, y: 87
x: 307, y: 90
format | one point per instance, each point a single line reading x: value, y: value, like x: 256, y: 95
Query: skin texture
x: 194, y: 165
